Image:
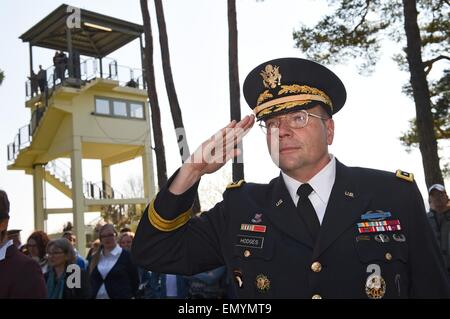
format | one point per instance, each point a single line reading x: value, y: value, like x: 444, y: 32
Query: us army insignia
x: 262, y: 283
x: 271, y: 76
x: 349, y: 194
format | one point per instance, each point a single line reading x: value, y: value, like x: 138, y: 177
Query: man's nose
x: 284, y: 129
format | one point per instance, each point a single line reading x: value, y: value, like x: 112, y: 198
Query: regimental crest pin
x: 262, y: 283
x: 375, y: 287
x: 257, y: 218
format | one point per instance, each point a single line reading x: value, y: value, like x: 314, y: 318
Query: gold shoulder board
x: 235, y: 184
x: 404, y: 175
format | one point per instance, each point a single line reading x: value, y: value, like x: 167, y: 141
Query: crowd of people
x: 40, y: 268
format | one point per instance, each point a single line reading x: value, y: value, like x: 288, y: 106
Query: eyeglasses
x: 54, y: 253
x: 294, y: 121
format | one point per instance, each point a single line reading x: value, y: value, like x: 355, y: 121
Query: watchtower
x: 84, y: 106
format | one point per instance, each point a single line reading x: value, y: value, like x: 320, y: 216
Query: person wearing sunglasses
x: 318, y: 230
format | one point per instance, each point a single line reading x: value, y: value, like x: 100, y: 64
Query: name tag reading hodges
x: 250, y: 241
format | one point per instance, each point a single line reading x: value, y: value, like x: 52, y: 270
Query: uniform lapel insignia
x: 282, y: 214
x: 349, y: 194
x: 334, y: 222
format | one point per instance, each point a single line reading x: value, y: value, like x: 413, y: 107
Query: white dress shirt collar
x: 322, y: 183
x: 115, y: 252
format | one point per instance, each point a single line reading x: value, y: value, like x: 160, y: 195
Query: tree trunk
x: 235, y: 105
x: 153, y: 97
x: 171, y: 92
x: 427, y: 138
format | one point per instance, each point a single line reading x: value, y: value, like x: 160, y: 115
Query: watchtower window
x: 119, y: 108
x: 102, y: 106
x: 137, y: 110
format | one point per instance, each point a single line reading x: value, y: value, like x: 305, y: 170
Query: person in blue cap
x: 318, y: 230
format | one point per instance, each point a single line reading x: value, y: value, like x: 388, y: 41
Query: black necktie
x: 306, y: 210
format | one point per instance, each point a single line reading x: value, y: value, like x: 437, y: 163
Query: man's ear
x: 330, y: 130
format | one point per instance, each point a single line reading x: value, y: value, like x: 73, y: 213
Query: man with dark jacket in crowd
x: 439, y: 218
x: 20, y: 276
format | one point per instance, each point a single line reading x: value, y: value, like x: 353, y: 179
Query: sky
x: 367, y: 129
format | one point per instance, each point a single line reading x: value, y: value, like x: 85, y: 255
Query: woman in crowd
x: 62, y: 283
x: 37, y: 245
x: 113, y: 275
x: 125, y: 240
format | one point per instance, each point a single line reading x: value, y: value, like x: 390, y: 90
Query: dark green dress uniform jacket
x: 281, y: 260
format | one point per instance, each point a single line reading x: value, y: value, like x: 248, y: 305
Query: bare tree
x: 153, y: 97
x: 235, y: 105
x: 353, y: 31
x: 175, y: 109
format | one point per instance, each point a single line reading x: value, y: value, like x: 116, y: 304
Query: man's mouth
x: 288, y: 149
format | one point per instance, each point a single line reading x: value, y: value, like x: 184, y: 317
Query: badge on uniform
x: 254, y: 228
x: 238, y: 277
x: 362, y: 237
x: 382, y: 238
x: 250, y: 241
x: 375, y: 215
x: 376, y: 221
x: 383, y: 226
x: 262, y: 283
x: 399, y: 237
x: 257, y: 218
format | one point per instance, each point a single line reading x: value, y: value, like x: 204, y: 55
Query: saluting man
x: 319, y: 230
